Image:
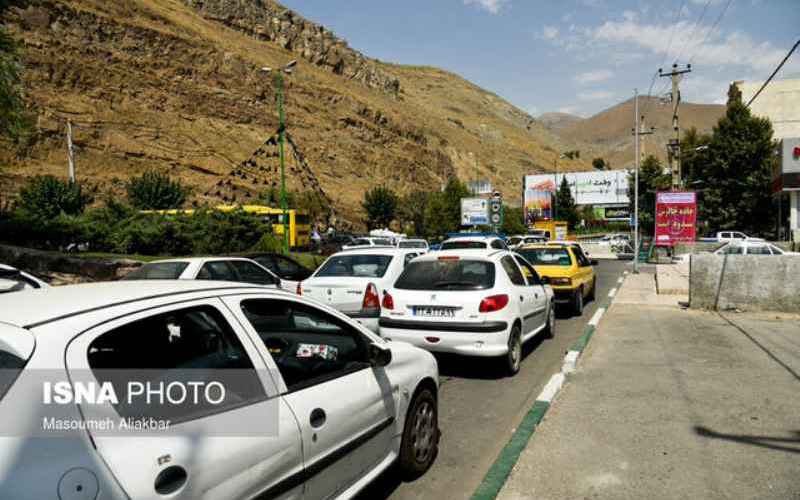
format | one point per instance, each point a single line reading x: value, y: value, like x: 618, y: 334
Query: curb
x: 498, y: 473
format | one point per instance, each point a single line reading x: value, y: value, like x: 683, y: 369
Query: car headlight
x: 561, y: 281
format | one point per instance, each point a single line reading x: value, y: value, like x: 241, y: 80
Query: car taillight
x: 299, y: 288
x: 493, y: 303
x: 371, y: 299
x: 388, y: 301
x: 561, y: 281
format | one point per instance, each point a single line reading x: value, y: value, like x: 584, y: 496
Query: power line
x: 713, y: 27
x: 774, y: 73
x: 663, y: 59
x: 694, y: 29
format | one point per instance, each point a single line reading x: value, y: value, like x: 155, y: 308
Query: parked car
x: 614, y: 239
x: 368, y: 241
x: 417, y: 244
x: 516, y: 241
x: 14, y: 280
x: 353, y: 281
x: 475, y: 303
x: 315, y: 406
x: 208, y: 268
x: 726, y: 236
x: 474, y: 243
x: 567, y: 270
x: 287, y: 269
x: 750, y: 247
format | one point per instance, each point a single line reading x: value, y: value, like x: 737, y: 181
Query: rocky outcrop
x: 269, y: 21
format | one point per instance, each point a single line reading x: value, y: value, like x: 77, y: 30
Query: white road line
x: 552, y: 387
x: 597, y: 315
x: 611, y: 293
x: 620, y: 280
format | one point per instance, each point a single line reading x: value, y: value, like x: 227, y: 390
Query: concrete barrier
x: 746, y: 282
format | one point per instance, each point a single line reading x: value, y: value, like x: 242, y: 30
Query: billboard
x: 676, y: 216
x: 607, y: 187
x: 474, y: 212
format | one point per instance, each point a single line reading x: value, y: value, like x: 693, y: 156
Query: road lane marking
x: 611, y: 293
x: 597, y: 315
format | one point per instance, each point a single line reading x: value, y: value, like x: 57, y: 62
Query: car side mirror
x: 593, y: 262
x: 379, y: 356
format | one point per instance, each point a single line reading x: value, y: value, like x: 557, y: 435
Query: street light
x: 288, y: 69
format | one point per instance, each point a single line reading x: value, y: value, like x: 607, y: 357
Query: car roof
x: 473, y: 253
x: 374, y: 250
x: 547, y: 246
x: 196, y: 259
x: 35, y: 307
x: 471, y: 238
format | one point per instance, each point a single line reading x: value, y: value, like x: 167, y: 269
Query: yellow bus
x: 299, y: 220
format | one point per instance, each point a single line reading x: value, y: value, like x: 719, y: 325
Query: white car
x: 515, y: 242
x: 210, y: 268
x: 474, y: 243
x: 726, y: 236
x: 614, y: 239
x: 751, y: 247
x: 14, y: 280
x: 369, y: 241
x: 353, y: 281
x: 416, y: 244
x: 306, y: 403
x: 475, y: 303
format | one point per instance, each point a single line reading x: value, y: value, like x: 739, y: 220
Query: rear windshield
x: 10, y: 367
x: 158, y: 271
x: 361, y: 241
x: 547, y: 256
x: 463, y: 245
x: 356, y: 266
x: 381, y: 241
x: 412, y: 244
x: 447, y: 275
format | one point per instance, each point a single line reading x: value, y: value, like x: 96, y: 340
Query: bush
x: 156, y: 191
x: 46, y: 197
x: 380, y: 205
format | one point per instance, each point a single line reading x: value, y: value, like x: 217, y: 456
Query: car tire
x: 593, y: 291
x: 513, y: 358
x: 577, y: 302
x: 420, y: 443
x: 550, y: 326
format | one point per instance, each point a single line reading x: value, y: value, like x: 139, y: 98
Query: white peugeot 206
x: 196, y: 390
x: 471, y: 302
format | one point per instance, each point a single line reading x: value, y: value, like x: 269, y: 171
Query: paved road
x: 480, y: 407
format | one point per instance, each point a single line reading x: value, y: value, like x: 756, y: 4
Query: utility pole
x: 70, y: 154
x: 638, y: 130
x: 676, y: 75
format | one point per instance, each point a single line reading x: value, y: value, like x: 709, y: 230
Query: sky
x: 573, y: 56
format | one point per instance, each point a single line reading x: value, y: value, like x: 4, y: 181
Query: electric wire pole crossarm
x: 675, y: 75
x: 288, y: 69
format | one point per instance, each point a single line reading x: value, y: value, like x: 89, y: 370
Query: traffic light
x: 496, y: 211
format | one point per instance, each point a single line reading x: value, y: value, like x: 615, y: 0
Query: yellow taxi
x: 566, y: 269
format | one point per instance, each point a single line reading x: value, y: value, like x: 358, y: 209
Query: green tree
x: 411, y: 210
x: 651, y: 180
x: 443, y: 212
x: 380, y: 205
x: 15, y: 122
x: 513, y: 221
x: 600, y: 164
x: 156, y: 191
x: 46, y: 197
x: 566, y: 204
x: 734, y: 174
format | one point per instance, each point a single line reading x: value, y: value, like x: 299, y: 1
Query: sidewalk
x: 670, y: 403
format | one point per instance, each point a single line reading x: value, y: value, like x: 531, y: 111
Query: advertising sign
x: 538, y: 205
x: 608, y: 187
x: 787, y: 174
x: 676, y: 216
x: 474, y: 212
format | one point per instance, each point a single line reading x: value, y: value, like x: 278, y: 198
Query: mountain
x: 175, y: 86
x: 608, y: 134
x: 557, y: 121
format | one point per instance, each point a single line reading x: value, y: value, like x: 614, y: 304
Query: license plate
x: 434, y: 312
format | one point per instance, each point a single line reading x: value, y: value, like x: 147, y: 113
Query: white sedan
x: 751, y: 247
x: 14, y: 280
x: 286, y: 398
x: 476, y: 303
x: 210, y: 268
x: 353, y: 281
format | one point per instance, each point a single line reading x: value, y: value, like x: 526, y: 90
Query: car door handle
x: 170, y: 480
x: 317, y: 418
x: 521, y: 298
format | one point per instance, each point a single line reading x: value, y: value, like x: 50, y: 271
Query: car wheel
x: 577, y: 302
x: 514, y: 356
x: 593, y: 291
x: 420, y: 443
x: 550, y: 327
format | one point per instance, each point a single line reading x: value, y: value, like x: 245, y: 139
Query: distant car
x: 234, y: 269
x: 368, y: 241
x: 726, y: 236
x: 567, y: 269
x: 474, y: 243
x: 287, y: 269
x: 268, y: 395
x: 751, y: 247
x: 416, y: 244
x: 14, y: 280
x: 516, y: 241
x: 483, y: 303
x: 330, y: 244
x: 614, y: 239
x: 353, y: 281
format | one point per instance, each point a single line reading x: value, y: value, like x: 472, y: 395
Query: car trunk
x: 344, y: 294
x: 437, y: 305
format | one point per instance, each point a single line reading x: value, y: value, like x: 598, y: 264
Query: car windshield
x: 381, y: 241
x: 447, y: 274
x: 360, y: 241
x: 10, y: 367
x: 11, y: 280
x: 555, y: 256
x: 412, y: 244
x: 355, y: 266
x: 463, y: 245
x: 158, y: 271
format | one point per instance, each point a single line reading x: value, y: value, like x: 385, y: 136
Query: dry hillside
x: 174, y: 85
x: 608, y: 133
x: 557, y: 121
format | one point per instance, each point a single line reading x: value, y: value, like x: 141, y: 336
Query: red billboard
x: 676, y: 215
